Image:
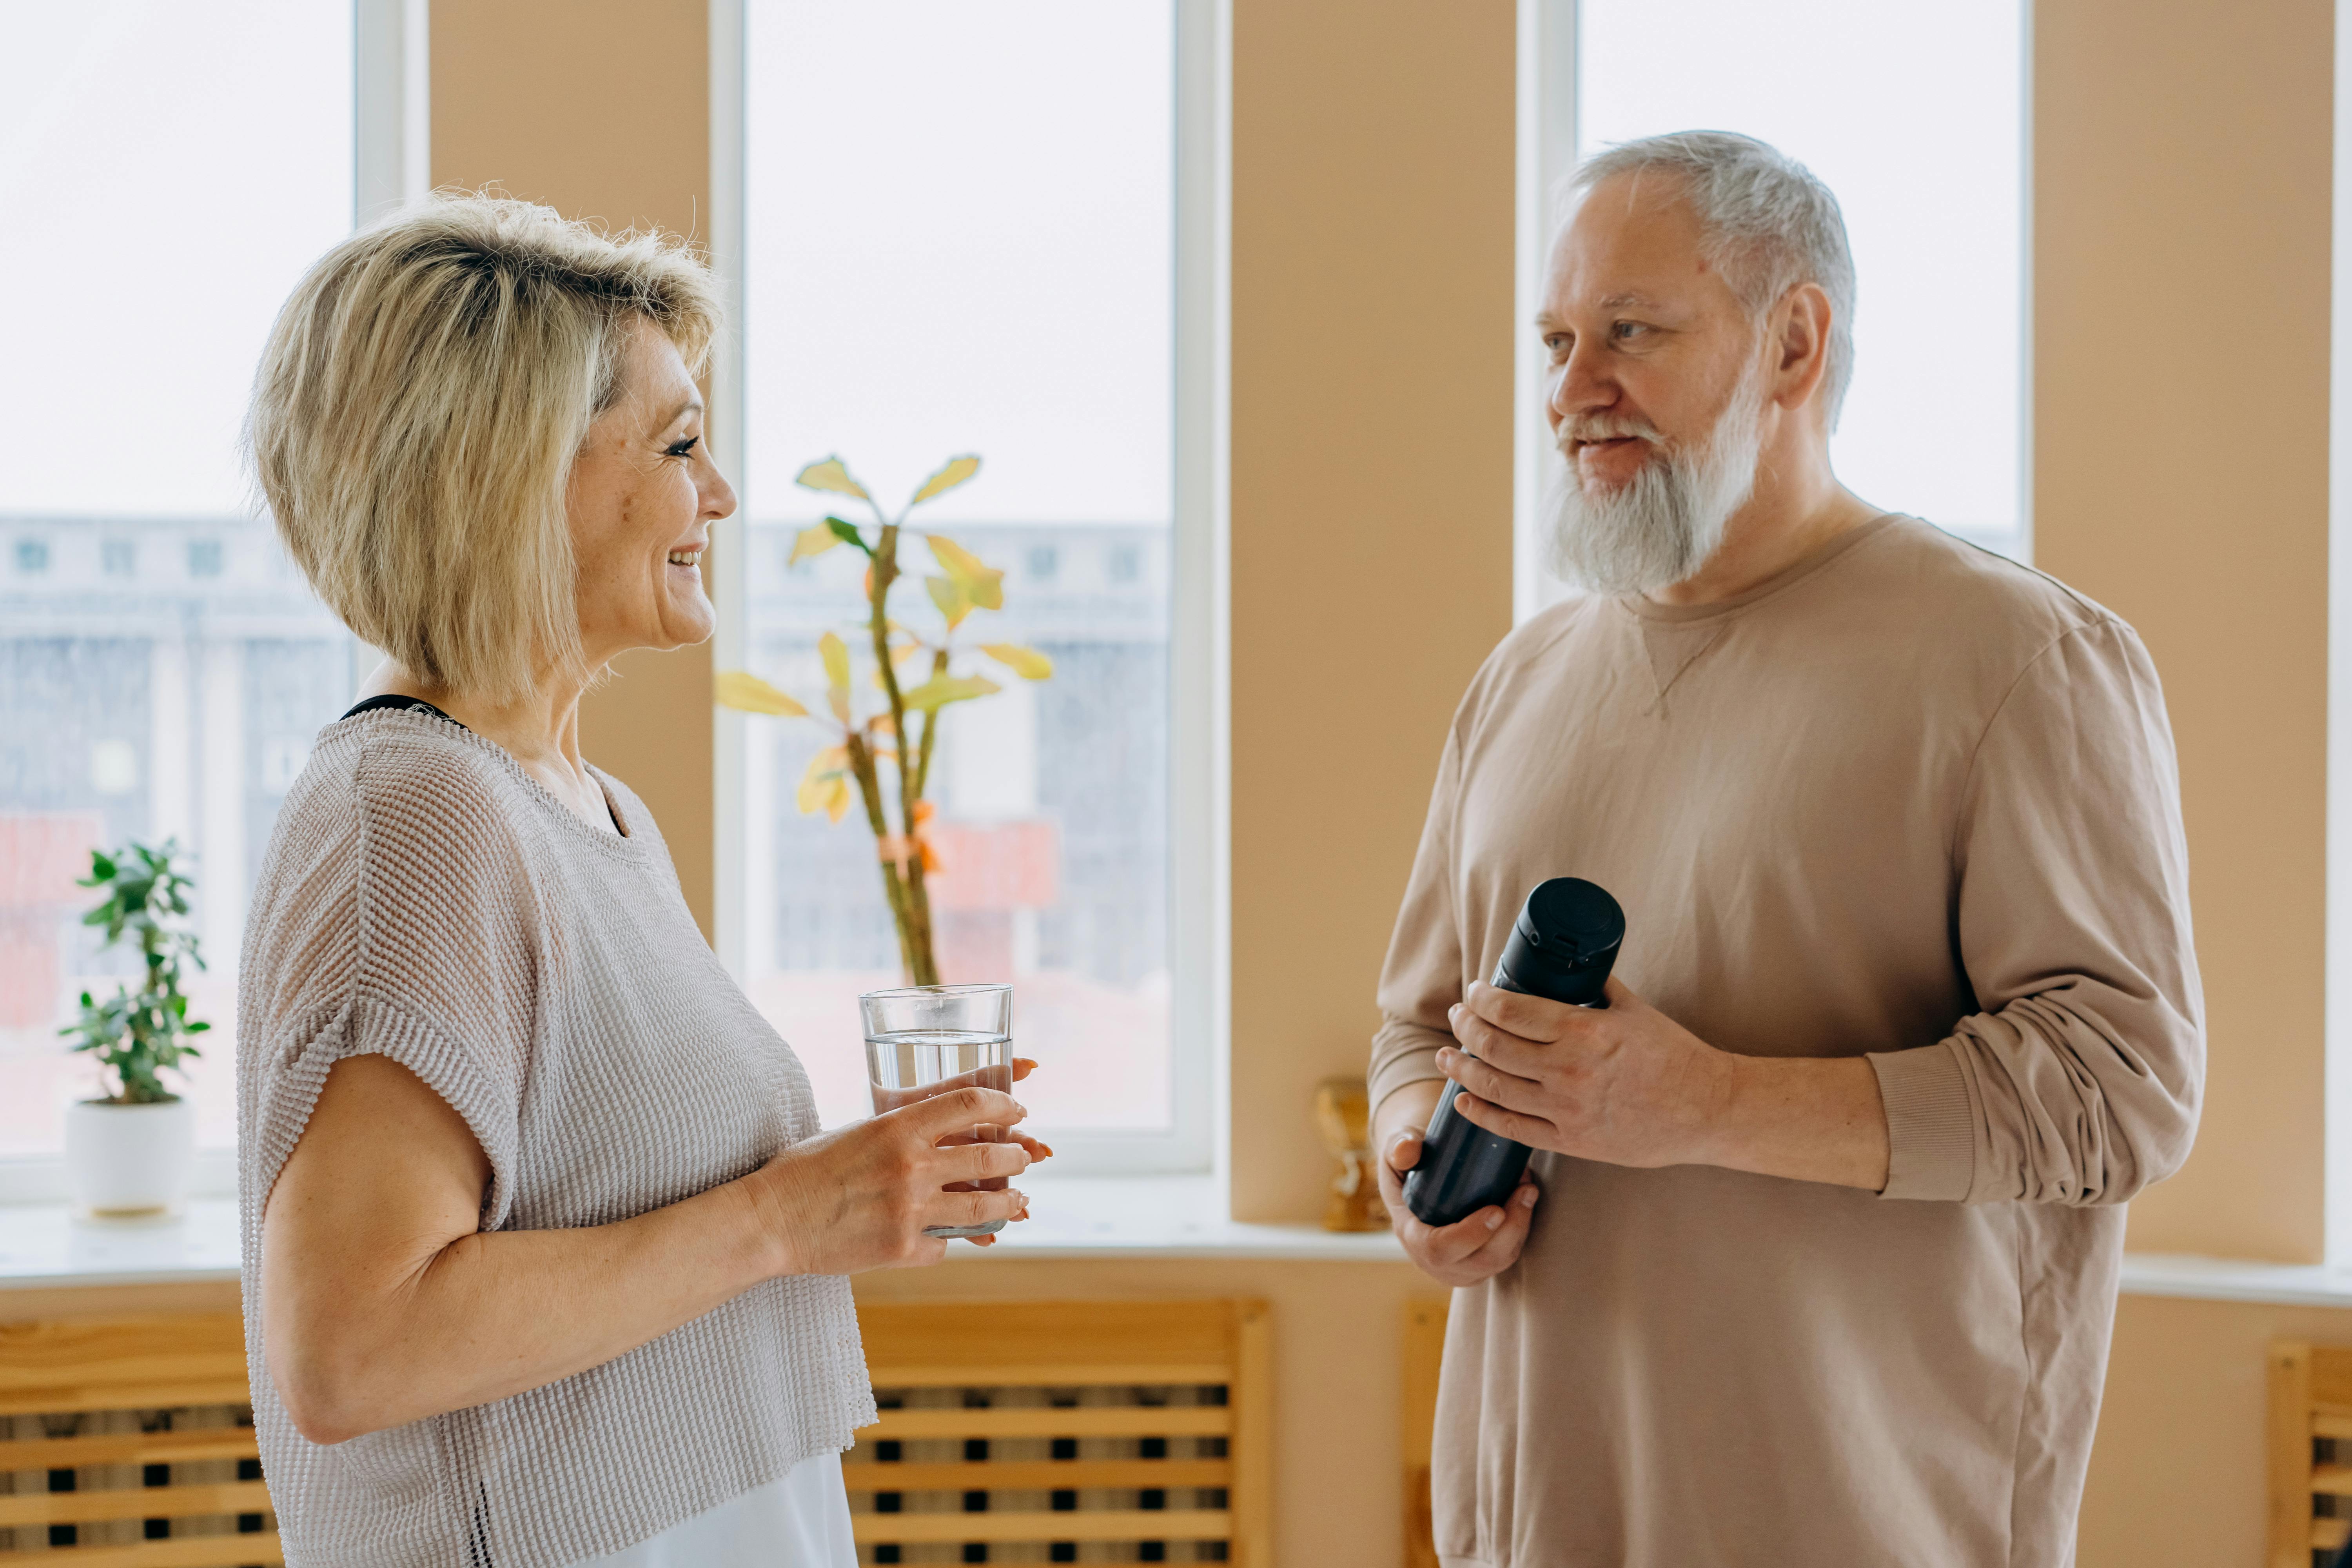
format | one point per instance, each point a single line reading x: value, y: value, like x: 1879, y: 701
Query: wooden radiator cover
x: 127, y: 1443
x: 1066, y: 1432
x: 1087, y: 1432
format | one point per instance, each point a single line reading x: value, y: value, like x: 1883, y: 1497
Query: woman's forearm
x: 383, y: 1303
x: 370, y: 1335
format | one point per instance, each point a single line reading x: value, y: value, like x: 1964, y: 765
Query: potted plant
x: 128, y: 1153
x: 883, y: 758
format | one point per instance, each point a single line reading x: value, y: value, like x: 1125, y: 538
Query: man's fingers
x: 1402, y: 1151
x: 1482, y: 1079
x: 1502, y: 1246
x: 1537, y: 1018
x: 1515, y: 1125
x: 1458, y: 1242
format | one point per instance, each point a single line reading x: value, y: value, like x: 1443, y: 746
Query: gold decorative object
x: 1343, y: 1115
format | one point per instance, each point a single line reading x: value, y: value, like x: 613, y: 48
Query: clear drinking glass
x: 922, y: 1040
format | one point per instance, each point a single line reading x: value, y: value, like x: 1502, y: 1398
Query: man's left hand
x: 1626, y: 1085
x: 1623, y: 1083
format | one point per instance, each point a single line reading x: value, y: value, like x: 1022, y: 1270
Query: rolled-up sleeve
x: 1422, y: 976
x: 2078, y: 1081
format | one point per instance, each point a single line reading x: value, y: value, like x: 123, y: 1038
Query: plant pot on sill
x: 128, y: 1161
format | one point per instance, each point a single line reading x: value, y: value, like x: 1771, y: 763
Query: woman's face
x: 641, y: 499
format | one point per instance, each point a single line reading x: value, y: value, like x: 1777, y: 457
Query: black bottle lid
x: 1563, y: 943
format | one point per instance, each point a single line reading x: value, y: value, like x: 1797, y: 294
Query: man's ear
x: 1801, y: 325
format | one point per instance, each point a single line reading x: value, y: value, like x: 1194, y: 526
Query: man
x: 1816, y: 1264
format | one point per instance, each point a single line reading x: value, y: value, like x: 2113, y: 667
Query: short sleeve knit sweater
x: 423, y: 898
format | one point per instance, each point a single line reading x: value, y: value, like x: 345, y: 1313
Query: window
x: 136, y: 697
x: 1916, y: 122
x: 961, y: 233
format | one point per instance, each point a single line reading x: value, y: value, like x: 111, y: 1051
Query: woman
x: 543, y: 1251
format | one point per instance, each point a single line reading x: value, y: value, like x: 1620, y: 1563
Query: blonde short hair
x: 418, y: 409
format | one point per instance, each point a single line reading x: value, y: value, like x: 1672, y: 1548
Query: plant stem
x: 914, y: 909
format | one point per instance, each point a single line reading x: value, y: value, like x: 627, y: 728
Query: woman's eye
x: 686, y: 448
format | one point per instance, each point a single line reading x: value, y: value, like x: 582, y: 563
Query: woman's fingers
x: 970, y: 1209
x: 960, y: 1111
x: 1022, y: 1066
x: 981, y: 1162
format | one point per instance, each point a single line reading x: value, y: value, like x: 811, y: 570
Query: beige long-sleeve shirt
x: 1906, y: 800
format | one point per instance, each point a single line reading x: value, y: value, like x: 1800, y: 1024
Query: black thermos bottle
x: 1561, y: 947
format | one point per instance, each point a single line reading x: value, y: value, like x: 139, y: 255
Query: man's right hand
x: 1477, y: 1248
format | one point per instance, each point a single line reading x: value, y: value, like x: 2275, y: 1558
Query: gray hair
x: 1770, y: 225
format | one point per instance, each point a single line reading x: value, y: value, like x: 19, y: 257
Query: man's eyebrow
x: 1619, y: 301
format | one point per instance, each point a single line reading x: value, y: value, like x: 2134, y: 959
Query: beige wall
x: 601, y: 109
x: 1371, y: 508
x: 2182, y: 166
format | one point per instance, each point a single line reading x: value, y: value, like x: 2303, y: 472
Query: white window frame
x: 1198, y: 836
x: 2337, y: 1107
x: 390, y: 156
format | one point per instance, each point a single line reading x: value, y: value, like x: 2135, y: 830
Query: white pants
x: 799, y: 1521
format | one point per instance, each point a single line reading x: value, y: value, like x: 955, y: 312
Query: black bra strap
x: 404, y: 704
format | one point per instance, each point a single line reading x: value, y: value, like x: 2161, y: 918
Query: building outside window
x: 159, y: 661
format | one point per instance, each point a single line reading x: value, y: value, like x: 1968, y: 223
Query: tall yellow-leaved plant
x: 902, y: 731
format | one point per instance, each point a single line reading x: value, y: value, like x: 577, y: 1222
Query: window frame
x: 391, y: 160
x: 1197, y: 881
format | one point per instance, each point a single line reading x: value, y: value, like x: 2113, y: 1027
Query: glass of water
x: 922, y: 1040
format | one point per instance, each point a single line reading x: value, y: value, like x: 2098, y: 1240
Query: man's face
x: 1646, y: 343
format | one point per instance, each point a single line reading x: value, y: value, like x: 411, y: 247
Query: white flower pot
x: 129, y: 1161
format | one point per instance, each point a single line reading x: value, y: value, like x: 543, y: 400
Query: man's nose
x: 1581, y: 385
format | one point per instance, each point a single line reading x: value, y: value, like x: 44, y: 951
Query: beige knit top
x: 424, y: 900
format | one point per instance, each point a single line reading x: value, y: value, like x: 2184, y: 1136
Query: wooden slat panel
x: 1051, y: 1421
x: 1038, y: 1475
x: 2326, y: 1424
x: 2331, y: 1376
x: 1036, y: 1337
x: 1423, y: 1351
x: 1176, y: 1524
x: 2290, y: 1454
x: 1047, y: 1374
x: 134, y: 1502
x: 193, y: 1551
x: 114, y: 1363
x: 128, y: 1449
x: 2336, y: 1480
x: 2330, y: 1534
x: 1251, y: 1399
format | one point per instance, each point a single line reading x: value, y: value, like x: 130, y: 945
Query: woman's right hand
x: 860, y: 1197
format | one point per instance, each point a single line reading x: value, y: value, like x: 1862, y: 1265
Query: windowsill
x: 2235, y: 1279
x: 1173, y: 1217
x: 42, y: 1247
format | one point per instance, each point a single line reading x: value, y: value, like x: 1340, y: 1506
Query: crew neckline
x: 628, y: 841
x: 1780, y: 583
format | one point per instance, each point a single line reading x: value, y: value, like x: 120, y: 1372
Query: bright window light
x: 168, y: 171
x: 959, y: 237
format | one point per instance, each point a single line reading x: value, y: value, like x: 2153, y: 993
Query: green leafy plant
x: 902, y: 730
x: 137, y: 1033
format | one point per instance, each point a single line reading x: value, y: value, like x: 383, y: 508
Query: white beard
x: 1659, y: 528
